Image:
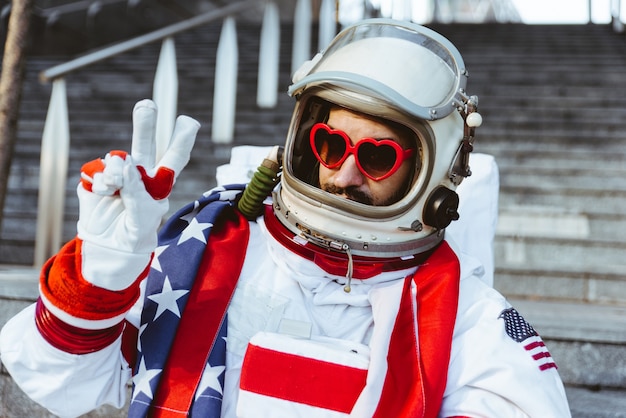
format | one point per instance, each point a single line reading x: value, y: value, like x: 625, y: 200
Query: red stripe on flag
x: 541, y: 355
x: 547, y: 366
x: 534, y: 345
x: 301, y: 379
x: 208, y: 300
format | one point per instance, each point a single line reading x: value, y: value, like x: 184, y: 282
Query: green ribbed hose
x: 263, y: 182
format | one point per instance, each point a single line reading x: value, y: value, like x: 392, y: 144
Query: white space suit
x: 340, y: 308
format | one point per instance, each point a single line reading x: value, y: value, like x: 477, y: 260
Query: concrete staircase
x: 553, y: 103
x: 553, y: 100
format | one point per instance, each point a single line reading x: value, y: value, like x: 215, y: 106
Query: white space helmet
x: 399, y: 72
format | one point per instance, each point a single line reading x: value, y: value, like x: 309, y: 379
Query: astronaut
x: 326, y: 287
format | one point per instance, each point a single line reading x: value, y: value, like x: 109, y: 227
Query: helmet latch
x: 459, y: 169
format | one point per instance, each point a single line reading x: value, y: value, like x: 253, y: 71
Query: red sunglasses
x: 376, y: 159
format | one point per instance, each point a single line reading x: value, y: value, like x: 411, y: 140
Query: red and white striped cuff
x: 73, y: 314
x: 71, y: 339
x: 75, y: 300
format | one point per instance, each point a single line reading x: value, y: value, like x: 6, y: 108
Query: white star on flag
x: 195, y: 230
x: 229, y: 194
x: 156, y: 263
x: 210, y: 379
x: 141, y: 330
x: 213, y: 190
x: 167, y: 300
x: 142, y: 380
x: 188, y: 217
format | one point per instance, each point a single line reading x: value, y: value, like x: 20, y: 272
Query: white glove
x: 124, y: 197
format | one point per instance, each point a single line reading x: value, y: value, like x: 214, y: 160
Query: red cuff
x: 62, y: 284
x: 72, y: 339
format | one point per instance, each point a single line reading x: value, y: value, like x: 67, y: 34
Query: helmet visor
x: 427, y: 84
x: 319, y: 148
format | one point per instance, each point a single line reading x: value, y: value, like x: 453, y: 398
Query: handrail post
x: 53, y: 174
x: 327, y: 23
x: 225, y: 90
x: 301, y: 51
x: 165, y: 95
x: 401, y: 9
x: 269, y: 57
x: 616, y: 16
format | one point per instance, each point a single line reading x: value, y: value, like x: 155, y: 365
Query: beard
x: 351, y: 193
x: 354, y: 194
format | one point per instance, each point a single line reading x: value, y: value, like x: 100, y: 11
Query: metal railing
x: 56, y: 134
x: 618, y: 15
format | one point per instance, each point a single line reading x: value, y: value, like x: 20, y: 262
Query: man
x: 343, y: 298
x: 348, y: 176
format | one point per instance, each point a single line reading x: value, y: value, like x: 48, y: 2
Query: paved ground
x: 585, y: 403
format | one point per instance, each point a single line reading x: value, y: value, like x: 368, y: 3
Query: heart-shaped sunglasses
x: 377, y: 159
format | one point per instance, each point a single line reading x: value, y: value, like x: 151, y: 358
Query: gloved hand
x: 124, y: 197
x: 87, y: 289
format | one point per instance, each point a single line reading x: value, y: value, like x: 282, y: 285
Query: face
x: 347, y: 180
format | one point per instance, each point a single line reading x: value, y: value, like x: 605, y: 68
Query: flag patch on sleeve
x: 522, y: 332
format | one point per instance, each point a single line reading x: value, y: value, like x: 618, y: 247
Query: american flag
x: 522, y: 332
x: 182, y: 241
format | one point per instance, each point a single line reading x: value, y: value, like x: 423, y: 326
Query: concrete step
x: 592, y: 285
x: 554, y: 253
x: 560, y: 222
x: 561, y: 253
x: 596, y: 403
x: 587, y: 341
x: 565, y: 161
x: 584, y: 260
x: 598, y: 202
x: 583, y: 179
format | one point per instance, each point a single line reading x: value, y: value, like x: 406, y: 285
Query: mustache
x: 352, y: 193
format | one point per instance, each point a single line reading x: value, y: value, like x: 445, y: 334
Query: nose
x: 348, y: 174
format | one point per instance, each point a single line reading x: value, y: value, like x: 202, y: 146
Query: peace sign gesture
x: 124, y: 197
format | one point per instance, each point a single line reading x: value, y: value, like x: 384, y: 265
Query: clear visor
x: 416, y: 69
x: 317, y: 143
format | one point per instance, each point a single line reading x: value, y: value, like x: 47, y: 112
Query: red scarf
x: 418, y: 367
